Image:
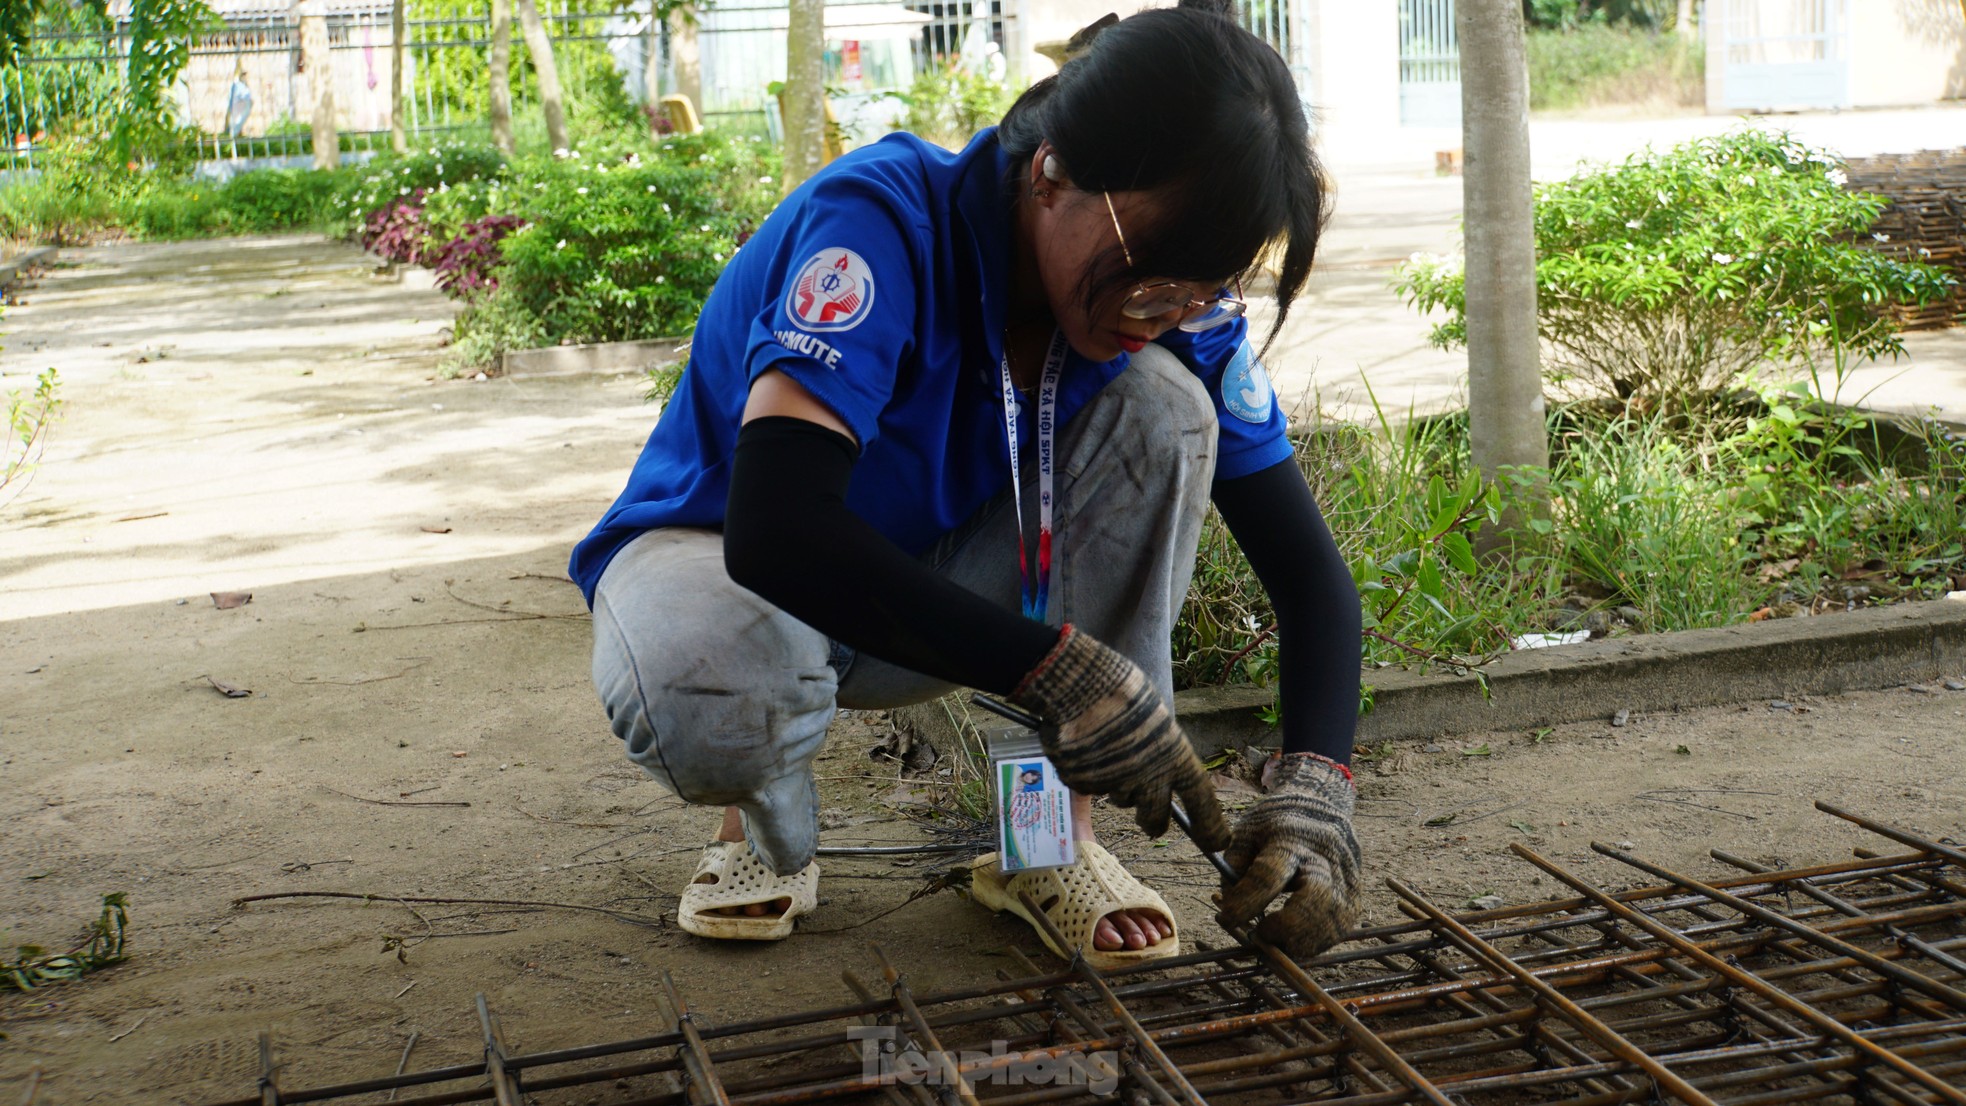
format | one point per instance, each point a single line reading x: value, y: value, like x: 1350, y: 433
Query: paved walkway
x: 1352, y: 331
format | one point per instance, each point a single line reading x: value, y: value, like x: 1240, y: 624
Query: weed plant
x: 30, y: 415
x: 1777, y: 502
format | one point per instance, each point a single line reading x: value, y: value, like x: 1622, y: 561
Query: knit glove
x: 1108, y: 732
x: 1297, y: 838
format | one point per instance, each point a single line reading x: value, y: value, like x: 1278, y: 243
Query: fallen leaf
x: 230, y: 691
x: 1481, y: 750
x: 1523, y: 826
x: 460, y: 753
x: 436, y: 529
x: 227, y: 600
x: 1683, y: 751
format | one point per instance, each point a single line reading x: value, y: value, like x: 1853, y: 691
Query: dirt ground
x: 262, y: 415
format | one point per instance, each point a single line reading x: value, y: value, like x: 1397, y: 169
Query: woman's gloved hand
x: 1297, y: 838
x: 1108, y: 732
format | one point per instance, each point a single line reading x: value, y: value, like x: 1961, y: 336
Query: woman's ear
x: 1046, y: 174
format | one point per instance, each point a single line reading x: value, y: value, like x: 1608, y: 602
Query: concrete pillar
x: 1713, y: 23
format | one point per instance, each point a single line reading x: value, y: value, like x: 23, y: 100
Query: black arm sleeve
x: 1275, y: 519
x: 790, y: 537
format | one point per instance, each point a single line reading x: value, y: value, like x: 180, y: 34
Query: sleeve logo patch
x: 1246, y: 391
x: 834, y: 291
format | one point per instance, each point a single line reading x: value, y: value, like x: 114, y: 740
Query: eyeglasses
x: 1158, y: 298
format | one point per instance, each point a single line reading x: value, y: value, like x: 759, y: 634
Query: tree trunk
x: 314, y: 57
x: 501, y: 75
x: 686, y: 62
x: 399, y: 138
x: 804, y: 102
x: 1505, y: 384
x: 540, y: 46
x: 1685, y: 21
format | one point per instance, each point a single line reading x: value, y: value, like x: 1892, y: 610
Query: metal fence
x: 246, y: 93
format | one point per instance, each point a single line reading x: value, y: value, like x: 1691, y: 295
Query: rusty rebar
x: 1766, y: 990
x: 1760, y: 988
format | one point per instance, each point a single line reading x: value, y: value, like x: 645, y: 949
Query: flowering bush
x: 620, y: 244
x: 436, y: 169
x: 1661, y: 280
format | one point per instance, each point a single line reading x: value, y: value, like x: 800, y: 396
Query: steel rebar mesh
x: 1844, y: 982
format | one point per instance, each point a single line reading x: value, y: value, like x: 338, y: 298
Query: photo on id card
x: 1034, y: 815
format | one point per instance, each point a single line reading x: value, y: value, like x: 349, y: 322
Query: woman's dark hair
x: 1183, y: 102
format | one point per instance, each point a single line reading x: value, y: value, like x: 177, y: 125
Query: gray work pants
x: 725, y: 699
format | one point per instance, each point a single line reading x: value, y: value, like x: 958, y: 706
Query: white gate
x: 1284, y: 24
x: 1784, y: 54
x: 1429, y: 64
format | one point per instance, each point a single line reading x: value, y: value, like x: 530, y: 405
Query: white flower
x: 718, y: 256
x: 1747, y: 180
x: 665, y: 207
x: 668, y: 145
x: 764, y: 180
x: 580, y: 191
x: 403, y: 191
x: 1663, y: 198
x: 1723, y: 259
x: 562, y: 244
x: 1838, y: 177
x: 705, y: 228
x: 662, y: 280
x: 1633, y: 224
x: 1880, y: 236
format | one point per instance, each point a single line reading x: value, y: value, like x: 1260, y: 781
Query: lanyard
x: 1035, y: 598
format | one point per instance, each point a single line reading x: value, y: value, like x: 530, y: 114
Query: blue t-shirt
x: 881, y: 286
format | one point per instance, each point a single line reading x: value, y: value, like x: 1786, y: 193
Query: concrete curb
x: 38, y: 255
x: 600, y: 357
x: 1827, y: 655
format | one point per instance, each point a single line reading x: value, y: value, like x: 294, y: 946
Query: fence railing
x: 246, y: 94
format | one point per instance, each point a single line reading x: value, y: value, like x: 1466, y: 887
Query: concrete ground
x: 1350, y: 330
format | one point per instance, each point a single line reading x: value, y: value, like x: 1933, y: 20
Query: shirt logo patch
x: 834, y: 291
x: 1246, y: 391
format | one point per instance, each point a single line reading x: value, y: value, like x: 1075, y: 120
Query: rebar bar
x: 1832, y: 983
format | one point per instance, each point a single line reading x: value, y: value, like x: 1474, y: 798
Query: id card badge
x: 1034, y: 807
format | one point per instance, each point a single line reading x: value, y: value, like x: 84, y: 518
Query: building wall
x: 1907, y: 52
x: 1354, y: 68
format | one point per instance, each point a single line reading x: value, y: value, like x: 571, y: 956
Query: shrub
x: 388, y: 178
x: 69, y: 199
x: 396, y: 230
x: 1597, y: 64
x: 267, y: 200
x: 465, y: 265
x: 948, y: 104
x: 619, y: 247
x: 1661, y: 280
